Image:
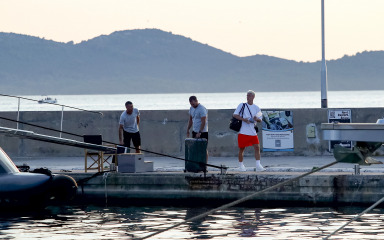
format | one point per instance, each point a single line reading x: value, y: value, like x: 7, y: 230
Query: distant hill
x: 154, y: 61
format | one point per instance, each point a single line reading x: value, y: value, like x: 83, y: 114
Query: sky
x: 289, y: 29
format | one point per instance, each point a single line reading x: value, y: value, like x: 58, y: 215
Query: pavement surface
x: 166, y: 164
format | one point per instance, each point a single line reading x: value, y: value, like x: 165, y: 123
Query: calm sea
x: 92, y: 222
x: 336, y: 99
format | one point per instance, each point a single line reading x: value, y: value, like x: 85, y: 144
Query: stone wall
x: 215, y: 189
x: 164, y: 131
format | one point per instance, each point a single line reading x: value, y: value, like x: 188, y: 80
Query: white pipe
x: 324, y: 82
x: 18, y: 114
x: 62, y: 116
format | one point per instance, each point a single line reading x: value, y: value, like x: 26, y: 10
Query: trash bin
x: 196, y: 151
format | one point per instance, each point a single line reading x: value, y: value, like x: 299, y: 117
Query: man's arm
x: 121, y: 135
x: 238, y: 117
x: 189, y: 125
x: 138, y: 120
x: 202, y: 125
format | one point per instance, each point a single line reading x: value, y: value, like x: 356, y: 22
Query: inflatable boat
x: 32, y: 189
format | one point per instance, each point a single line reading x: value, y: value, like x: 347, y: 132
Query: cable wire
x: 356, y: 217
x: 239, y: 200
x: 143, y: 150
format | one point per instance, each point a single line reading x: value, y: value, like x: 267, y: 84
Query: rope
x: 5, y: 95
x: 105, y: 176
x: 239, y: 201
x: 147, y: 151
x: 356, y: 217
x: 84, y: 180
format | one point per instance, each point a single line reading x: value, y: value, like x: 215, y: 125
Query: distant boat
x: 47, y: 100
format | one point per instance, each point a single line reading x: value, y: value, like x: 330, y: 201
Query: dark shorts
x: 135, y: 137
x: 203, y: 135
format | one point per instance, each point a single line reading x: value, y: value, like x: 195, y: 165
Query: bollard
x: 112, y: 167
x: 357, y: 169
x: 223, y: 169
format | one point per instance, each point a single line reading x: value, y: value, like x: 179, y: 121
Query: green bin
x: 196, y: 151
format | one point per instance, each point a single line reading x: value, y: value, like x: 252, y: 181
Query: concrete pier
x: 169, y: 185
x: 164, y: 132
x: 322, y: 188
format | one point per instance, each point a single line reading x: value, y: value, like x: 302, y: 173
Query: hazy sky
x: 289, y: 29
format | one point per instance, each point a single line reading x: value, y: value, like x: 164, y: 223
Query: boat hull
x: 34, y: 189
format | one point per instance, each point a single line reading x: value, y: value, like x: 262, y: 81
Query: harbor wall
x: 164, y: 131
x: 193, y: 188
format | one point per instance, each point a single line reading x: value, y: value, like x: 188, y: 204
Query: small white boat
x: 47, y: 100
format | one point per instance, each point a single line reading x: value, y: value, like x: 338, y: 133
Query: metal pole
x: 62, y: 117
x: 324, y: 83
x: 18, y: 113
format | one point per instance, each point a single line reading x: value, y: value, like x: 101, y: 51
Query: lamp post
x: 324, y: 83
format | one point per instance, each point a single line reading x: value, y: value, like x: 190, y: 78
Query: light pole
x: 324, y: 82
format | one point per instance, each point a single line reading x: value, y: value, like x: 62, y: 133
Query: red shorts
x: 246, y: 140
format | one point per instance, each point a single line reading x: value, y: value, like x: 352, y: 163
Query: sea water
x: 115, y: 222
x: 174, y: 101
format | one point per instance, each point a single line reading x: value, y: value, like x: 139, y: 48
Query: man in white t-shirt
x: 198, y: 120
x: 129, y: 127
x: 247, y: 136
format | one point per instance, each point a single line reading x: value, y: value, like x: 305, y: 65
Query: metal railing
x: 62, y: 109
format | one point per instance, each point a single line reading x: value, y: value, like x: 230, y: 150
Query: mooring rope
x: 105, y: 176
x: 84, y: 180
x: 143, y: 150
x: 356, y: 217
x: 239, y: 200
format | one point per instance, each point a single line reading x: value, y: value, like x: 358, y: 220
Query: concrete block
x: 131, y: 163
x: 149, y: 166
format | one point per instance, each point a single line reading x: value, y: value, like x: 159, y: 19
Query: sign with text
x: 277, y: 131
x: 339, y: 116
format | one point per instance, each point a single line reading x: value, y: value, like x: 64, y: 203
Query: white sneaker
x: 242, y: 168
x: 260, y: 168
